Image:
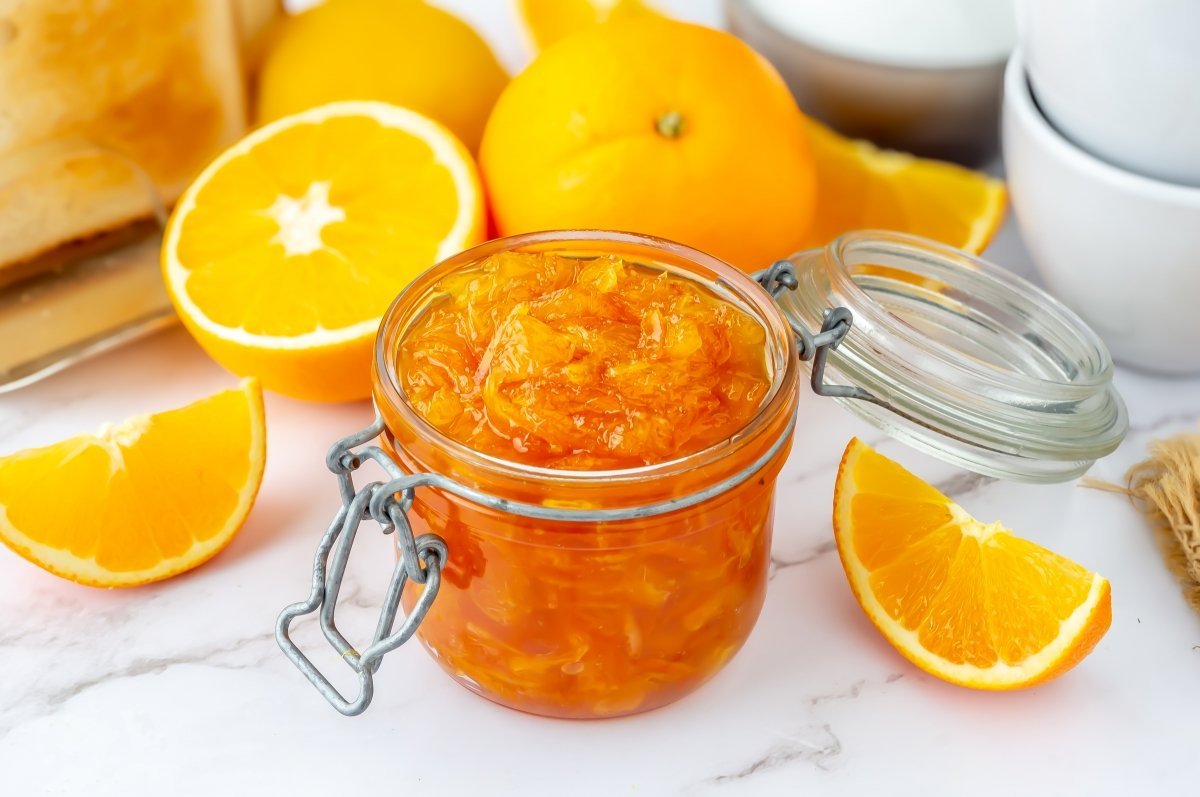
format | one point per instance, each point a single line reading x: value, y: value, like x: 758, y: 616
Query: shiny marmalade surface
x: 588, y: 363
x: 583, y: 364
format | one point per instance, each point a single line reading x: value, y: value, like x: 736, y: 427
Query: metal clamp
x: 421, y: 560
x: 780, y: 277
x: 836, y: 324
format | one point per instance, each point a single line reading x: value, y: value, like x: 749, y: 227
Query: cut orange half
x: 139, y: 501
x: 963, y: 600
x: 862, y: 187
x: 284, y: 253
x: 548, y: 21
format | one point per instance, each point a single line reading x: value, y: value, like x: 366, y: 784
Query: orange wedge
x: 547, y: 21
x: 862, y: 187
x: 284, y: 253
x: 963, y: 600
x: 140, y: 501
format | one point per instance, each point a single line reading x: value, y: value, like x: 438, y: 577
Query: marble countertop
x: 179, y: 688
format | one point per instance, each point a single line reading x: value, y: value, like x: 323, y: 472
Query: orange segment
x: 284, y: 253
x: 967, y: 602
x: 860, y: 187
x: 139, y: 501
x: 548, y: 21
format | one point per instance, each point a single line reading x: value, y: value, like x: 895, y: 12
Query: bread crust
x: 107, y: 109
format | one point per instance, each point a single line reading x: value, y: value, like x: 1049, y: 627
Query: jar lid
x: 955, y: 356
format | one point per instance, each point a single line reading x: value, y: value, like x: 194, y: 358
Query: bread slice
x: 107, y: 109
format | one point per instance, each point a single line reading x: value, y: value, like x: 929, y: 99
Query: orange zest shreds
x: 597, y: 620
x: 578, y: 364
x: 565, y: 362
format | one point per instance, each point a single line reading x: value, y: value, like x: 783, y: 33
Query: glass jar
x: 602, y: 593
x: 594, y: 619
x: 963, y: 359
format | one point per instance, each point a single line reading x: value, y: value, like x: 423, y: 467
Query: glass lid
x: 953, y: 355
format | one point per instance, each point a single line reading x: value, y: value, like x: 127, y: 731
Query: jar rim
x: 728, y: 281
x: 987, y: 370
x: 845, y: 247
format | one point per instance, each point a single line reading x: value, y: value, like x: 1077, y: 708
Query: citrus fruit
x: 284, y: 253
x: 142, y: 500
x: 548, y: 21
x: 658, y: 127
x: 863, y: 187
x: 405, y: 52
x: 963, y: 600
x: 859, y: 186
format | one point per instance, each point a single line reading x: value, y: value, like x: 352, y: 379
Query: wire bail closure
x: 421, y: 560
x: 780, y: 277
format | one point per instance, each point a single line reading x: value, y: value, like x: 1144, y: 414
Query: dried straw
x: 1166, y: 488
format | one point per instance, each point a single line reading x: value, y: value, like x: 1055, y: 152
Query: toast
x: 107, y: 110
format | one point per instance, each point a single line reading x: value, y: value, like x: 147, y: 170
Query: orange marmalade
x: 585, y: 374
x: 583, y: 364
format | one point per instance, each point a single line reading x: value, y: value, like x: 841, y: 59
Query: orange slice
x: 284, y: 253
x: 861, y: 187
x: 139, y: 501
x: 963, y: 600
x: 547, y: 21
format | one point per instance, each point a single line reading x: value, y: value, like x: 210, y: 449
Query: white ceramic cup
x: 1121, y: 78
x: 933, y: 91
x: 1120, y: 249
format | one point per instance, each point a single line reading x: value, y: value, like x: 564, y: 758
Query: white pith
x: 302, y: 219
x: 446, y: 151
x: 113, y: 437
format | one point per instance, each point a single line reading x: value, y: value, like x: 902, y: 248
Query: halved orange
x: 548, y: 21
x: 963, y: 600
x: 141, y: 500
x: 862, y: 187
x: 284, y: 253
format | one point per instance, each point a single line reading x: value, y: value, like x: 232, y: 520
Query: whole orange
x: 404, y: 52
x: 657, y: 127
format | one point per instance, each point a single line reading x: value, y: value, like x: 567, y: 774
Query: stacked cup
x: 1101, y: 133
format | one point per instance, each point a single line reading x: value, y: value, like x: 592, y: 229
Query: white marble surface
x: 179, y: 689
